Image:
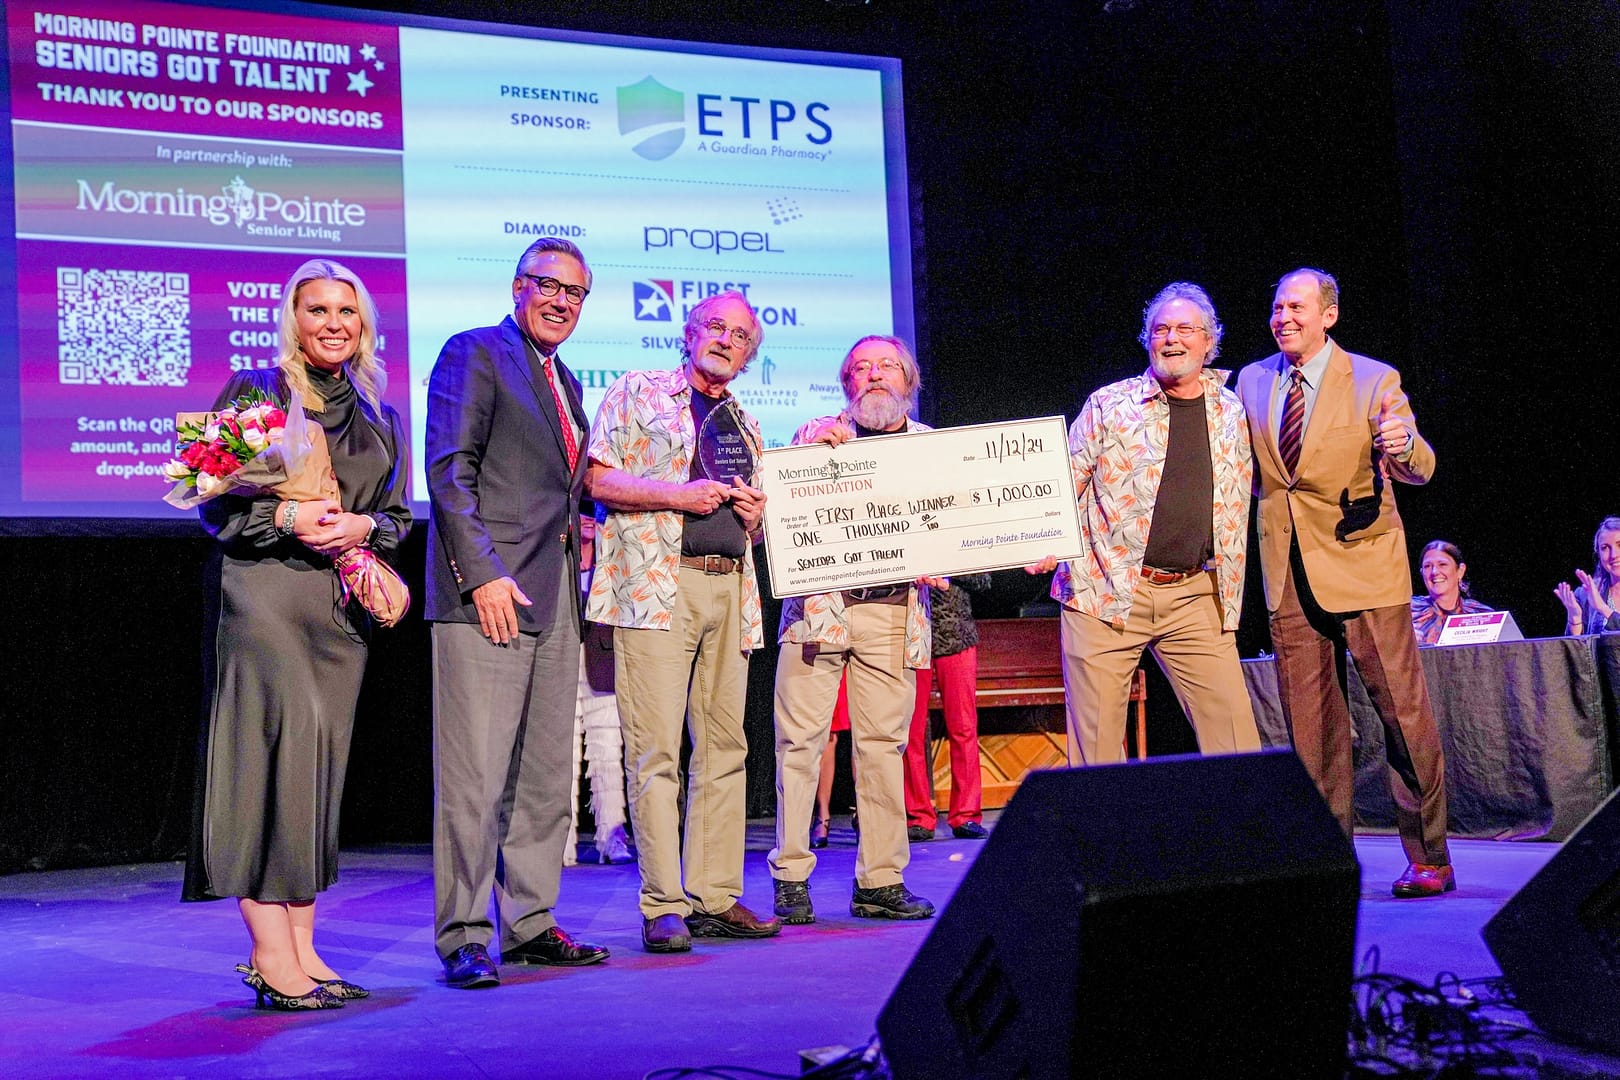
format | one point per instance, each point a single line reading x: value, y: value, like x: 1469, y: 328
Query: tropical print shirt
x: 1116, y: 448
x: 820, y: 617
x: 644, y: 426
x: 1429, y: 618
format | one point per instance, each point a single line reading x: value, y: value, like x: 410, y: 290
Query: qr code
x: 123, y: 327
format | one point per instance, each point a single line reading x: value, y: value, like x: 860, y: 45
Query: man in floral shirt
x: 876, y: 639
x: 1162, y: 467
x: 675, y: 578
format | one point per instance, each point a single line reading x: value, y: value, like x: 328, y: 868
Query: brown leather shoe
x: 736, y: 921
x: 1423, y: 879
x: 667, y: 933
x: 554, y: 947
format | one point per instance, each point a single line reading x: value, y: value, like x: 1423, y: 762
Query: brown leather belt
x: 712, y: 564
x: 1166, y: 577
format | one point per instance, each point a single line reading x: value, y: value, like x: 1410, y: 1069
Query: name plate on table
x: 890, y: 508
x: 1480, y: 629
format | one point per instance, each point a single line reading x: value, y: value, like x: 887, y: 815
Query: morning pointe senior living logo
x: 256, y: 212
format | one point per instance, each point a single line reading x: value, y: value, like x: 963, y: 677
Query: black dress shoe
x: 554, y: 948
x: 969, y: 830
x: 470, y: 967
x: 918, y: 834
x: 667, y: 933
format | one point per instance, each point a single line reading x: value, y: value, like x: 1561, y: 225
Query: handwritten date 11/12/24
x: 1008, y: 445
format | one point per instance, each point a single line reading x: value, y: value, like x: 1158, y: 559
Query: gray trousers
x: 502, y: 757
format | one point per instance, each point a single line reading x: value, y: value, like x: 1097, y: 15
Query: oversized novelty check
x: 890, y: 508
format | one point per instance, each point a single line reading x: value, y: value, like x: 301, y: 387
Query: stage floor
x: 107, y: 974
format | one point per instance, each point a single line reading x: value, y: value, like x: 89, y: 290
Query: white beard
x: 878, y: 409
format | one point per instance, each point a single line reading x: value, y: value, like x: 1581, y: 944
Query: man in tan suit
x: 1330, y: 431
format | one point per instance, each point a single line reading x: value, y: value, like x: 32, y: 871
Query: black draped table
x: 1525, y: 725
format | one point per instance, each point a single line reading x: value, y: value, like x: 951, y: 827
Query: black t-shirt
x: 719, y: 532
x: 1181, y: 536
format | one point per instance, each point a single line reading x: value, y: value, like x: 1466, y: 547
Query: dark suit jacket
x: 1342, y: 505
x: 504, y: 501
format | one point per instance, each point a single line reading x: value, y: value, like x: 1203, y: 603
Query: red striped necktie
x: 570, y: 443
x: 1292, y: 432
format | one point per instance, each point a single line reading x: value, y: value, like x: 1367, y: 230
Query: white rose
x: 209, y: 486
x: 175, y: 469
x: 211, y: 432
x: 254, y: 438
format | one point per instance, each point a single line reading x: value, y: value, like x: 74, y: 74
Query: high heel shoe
x: 318, y: 998
x: 818, y: 834
x: 342, y: 989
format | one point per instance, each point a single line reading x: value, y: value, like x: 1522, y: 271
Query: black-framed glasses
x: 550, y: 286
x: 739, y: 336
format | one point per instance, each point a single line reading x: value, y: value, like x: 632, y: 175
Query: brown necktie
x: 1293, y: 424
x: 570, y: 443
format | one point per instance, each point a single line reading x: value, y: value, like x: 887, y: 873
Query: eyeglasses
x: 739, y: 336
x: 550, y: 286
x: 1182, y: 330
x: 887, y: 364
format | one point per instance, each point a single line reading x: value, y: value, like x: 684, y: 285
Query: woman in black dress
x: 284, y: 653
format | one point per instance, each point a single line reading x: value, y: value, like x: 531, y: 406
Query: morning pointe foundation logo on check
x: 654, y: 116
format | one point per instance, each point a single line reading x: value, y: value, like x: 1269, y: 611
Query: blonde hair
x: 366, y: 371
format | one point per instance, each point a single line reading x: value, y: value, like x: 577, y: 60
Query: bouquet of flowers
x: 243, y: 448
x: 255, y: 447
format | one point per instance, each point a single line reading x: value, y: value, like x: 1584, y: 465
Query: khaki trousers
x: 1181, y: 624
x: 881, y: 693
x: 696, y: 671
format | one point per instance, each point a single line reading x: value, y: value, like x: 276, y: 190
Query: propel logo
x: 655, y: 116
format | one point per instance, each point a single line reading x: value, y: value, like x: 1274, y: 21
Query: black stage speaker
x: 1558, y: 939
x: 1183, y: 916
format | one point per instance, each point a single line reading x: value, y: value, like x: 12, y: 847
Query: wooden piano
x: 1020, y: 700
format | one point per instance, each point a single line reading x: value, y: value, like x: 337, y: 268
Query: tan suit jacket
x: 1342, y: 506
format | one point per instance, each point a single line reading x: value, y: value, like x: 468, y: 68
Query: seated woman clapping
x: 1590, y: 606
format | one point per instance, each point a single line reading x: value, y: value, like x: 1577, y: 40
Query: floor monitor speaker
x: 1188, y: 916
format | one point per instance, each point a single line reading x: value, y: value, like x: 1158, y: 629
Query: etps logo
x: 653, y: 117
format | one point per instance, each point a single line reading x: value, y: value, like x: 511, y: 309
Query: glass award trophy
x: 722, y: 446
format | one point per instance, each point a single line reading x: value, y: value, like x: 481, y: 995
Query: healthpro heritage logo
x: 653, y: 117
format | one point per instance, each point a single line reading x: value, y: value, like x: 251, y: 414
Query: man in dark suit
x: 1330, y: 431
x: 504, y: 430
